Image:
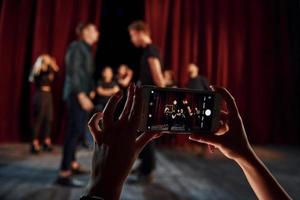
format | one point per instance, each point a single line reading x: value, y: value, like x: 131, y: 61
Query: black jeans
x: 43, y: 113
x: 148, y: 160
x: 76, y: 128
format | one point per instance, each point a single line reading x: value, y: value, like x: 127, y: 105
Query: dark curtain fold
x: 242, y: 45
x: 29, y: 28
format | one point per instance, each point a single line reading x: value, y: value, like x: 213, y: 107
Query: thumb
x: 207, y: 139
x: 145, y: 138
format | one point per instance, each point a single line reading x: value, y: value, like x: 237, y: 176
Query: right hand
x: 85, y: 103
x: 230, y: 138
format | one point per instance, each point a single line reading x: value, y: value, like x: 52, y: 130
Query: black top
x: 105, y: 85
x: 150, y: 51
x: 198, y: 83
x: 44, y: 78
x: 79, y: 69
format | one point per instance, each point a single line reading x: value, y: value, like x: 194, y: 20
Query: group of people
x: 85, y: 95
x: 180, y: 114
x: 118, y: 143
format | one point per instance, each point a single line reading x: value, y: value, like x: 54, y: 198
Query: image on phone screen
x: 180, y: 111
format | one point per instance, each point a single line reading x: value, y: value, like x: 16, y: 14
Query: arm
x: 74, y: 65
x: 232, y: 141
x: 126, y: 81
x: 54, y: 65
x: 156, y: 72
x: 107, y: 92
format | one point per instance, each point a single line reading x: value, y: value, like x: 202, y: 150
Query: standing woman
x: 42, y: 75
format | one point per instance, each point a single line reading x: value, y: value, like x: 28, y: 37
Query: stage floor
x: 179, y: 175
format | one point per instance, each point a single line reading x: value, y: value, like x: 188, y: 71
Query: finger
x: 94, y: 127
x: 223, y: 116
x: 145, y: 138
x: 223, y: 128
x: 109, y: 110
x: 130, y: 94
x: 135, y: 114
x: 229, y: 99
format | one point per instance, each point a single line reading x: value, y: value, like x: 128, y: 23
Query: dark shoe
x: 35, y: 149
x: 80, y: 171
x: 69, y: 182
x: 47, y: 148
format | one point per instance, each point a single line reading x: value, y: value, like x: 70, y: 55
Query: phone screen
x: 180, y: 110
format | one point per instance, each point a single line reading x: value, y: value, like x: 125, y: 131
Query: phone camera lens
x: 208, y: 112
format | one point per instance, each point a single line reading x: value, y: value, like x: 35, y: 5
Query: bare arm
x: 126, y: 81
x: 232, y: 141
x: 260, y: 179
x: 107, y: 92
x: 156, y: 72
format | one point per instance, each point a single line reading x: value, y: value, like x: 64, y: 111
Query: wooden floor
x: 179, y: 175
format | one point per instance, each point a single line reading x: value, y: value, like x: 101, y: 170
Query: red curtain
x: 29, y: 28
x: 242, y: 45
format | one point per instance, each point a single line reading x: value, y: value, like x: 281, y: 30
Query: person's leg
x: 148, y: 160
x: 75, y: 130
x: 48, y: 121
x: 38, y: 118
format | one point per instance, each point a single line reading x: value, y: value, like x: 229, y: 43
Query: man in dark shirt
x: 196, y: 81
x: 150, y: 74
x: 78, y: 85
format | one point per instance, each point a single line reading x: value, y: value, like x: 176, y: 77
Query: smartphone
x: 179, y: 111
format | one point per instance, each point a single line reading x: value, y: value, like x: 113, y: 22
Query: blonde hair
x: 37, y: 68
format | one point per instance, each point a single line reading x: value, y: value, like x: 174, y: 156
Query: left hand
x: 116, y: 144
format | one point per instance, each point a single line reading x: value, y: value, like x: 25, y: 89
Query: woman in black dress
x: 42, y: 76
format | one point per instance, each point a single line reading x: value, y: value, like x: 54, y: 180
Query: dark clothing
x: 198, y: 83
x: 150, y: 51
x: 79, y: 69
x: 100, y: 101
x: 43, y: 105
x: 148, y: 159
x: 43, y: 113
x: 44, y: 78
x: 79, y: 78
x: 76, y: 127
x: 147, y: 155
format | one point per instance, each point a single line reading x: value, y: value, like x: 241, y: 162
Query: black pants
x: 148, y: 160
x: 43, y: 114
x: 76, y: 128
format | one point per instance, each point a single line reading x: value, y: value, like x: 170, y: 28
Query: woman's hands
x: 117, y: 144
x: 230, y: 138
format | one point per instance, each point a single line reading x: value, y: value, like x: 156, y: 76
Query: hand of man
x: 85, y: 103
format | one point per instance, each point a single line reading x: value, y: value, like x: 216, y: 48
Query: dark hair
x: 81, y: 26
x: 139, y: 26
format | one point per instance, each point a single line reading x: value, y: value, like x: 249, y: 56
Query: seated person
x: 124, y: 76
x: 106, y: 87
x: 122, y: 144
x: 169, y: 79
x: 196, y: 81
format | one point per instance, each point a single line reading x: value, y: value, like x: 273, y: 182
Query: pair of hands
x: 117, y: 143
